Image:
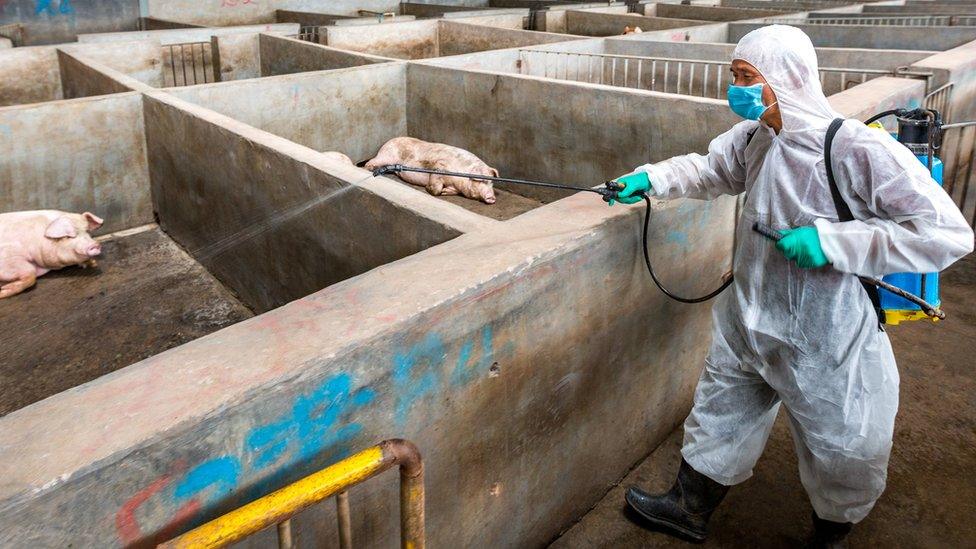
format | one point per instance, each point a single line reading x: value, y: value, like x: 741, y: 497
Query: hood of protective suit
x: 785, y: 57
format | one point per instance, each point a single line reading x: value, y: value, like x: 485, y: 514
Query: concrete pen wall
x: 874, y: 37
x: 43, y: 167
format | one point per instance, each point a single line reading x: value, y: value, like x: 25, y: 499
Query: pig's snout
x: 93, y: 250
x: 488, y: 194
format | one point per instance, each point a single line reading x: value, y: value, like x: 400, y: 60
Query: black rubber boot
x: 685, y: 509
x: 828, y: 534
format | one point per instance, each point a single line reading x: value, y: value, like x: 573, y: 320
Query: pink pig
x: 437, y: 156
x: 33, y: 243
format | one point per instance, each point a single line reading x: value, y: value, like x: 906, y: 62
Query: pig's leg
x: 436, y: 185
x: 26, y: 280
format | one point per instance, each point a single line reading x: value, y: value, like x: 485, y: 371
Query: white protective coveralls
x: 808, y: 338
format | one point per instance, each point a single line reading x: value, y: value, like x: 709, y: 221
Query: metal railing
x: 894, y: 20
x: 277, y: 508
x: 939, y: 99
x: 696, y: 77
x: 957, y: 154
x: 307, y: 34
x: 189, y: 64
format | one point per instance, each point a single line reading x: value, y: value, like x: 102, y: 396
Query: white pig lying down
x: 437, y: 156
x: 33, y: 243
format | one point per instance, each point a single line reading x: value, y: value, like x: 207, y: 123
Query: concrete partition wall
x: 81, y: 79
x: 455, y: 38
x: 432, y: 38
x: 707, y: 13
x: 43, y: 166
x: 269, y: 225
x: 46, y: 22
x: 514, y: 329
x: 400, y: 40
x: 607, y: 24
x: 182, y: 36
x: 365, y: 107
x: 280, y: 55
x: 220, y: 14
x: 873, y: 37
x: 958, y: 65
x: 238, y: 56
x: 29, y: 75
x: 141, y: 60
x: 881, y: 94
x: 578, y: 134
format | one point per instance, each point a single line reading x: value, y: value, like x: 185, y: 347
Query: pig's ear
x: 61, y: 228
x: 494, y: 172
x: 93, y: 220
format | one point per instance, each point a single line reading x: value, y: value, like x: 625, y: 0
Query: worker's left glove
x: 635, y: 184
x: 803, y: 246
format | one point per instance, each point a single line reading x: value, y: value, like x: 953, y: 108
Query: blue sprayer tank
x: 914, y: 135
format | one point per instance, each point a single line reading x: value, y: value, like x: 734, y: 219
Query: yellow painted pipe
x: 286, y: 502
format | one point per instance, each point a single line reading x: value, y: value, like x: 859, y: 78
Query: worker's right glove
x: 802, y: 245
x: 634, y: 185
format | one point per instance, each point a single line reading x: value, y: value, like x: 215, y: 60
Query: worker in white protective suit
x: 796, y: 327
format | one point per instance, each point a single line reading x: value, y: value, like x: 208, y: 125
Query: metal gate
x: 13, y: 31
x: 696, y: 77
x: 189, y: 64
x: 958, y: 150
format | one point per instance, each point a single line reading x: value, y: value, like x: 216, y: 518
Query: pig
x: 336, y: 156
x: 632, y: 30
x: 36, y: 242
x: 437, y: 156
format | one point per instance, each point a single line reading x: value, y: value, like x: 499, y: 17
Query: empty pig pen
x: 513, y: 323
x: 38, y: 74
x: 434, y: 38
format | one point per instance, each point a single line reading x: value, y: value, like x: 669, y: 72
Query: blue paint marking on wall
x: 677, y: 237
x: 64, y: 7
x: 415, y: 374
x: 313, y: 424
x: 464, y: 373
x: 316, y: 428
x: 220, y: 473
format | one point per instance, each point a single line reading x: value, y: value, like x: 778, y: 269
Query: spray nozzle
x: 388, y: 169
x: 610, y: 189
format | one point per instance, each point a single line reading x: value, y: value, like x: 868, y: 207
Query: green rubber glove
x: 635, y: 184
x: 803, y: 246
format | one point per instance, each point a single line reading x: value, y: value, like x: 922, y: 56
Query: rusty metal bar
x: 183, y: 62
x: 172, y: 62
x: 284, y: 535
x: 280, y: 505
x: 345, y: 520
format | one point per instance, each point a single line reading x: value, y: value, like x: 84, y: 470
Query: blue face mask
x: 746, y: 101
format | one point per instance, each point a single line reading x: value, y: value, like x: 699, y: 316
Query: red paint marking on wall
x: 125, y: 520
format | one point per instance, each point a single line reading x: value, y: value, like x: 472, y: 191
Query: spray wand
x: 608, y: 191
x: 926, y: 307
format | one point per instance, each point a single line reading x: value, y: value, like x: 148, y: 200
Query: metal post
x: 284, y: 535
x: 345, y: 520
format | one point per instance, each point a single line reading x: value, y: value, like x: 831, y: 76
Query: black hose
x: 608, y: 193
x: 881, y: 115
x: 650, y: 268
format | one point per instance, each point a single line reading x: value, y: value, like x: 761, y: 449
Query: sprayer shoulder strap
x: 844, y: 211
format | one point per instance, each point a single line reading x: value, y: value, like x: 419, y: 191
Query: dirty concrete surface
x: 145, y: 296
x: 931, y: 494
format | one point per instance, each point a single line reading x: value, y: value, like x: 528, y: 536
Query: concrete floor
x: 145, y: 296
x: 931, y: 496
